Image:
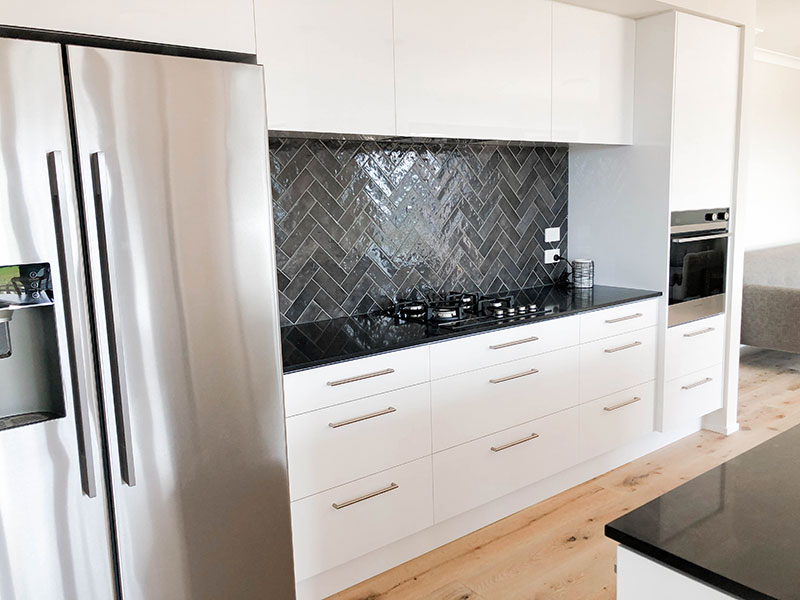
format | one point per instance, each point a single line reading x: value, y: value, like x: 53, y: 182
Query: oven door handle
x: 701, y: 238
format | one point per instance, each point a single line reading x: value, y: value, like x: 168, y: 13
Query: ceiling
x: 780, y: 21
x: 625, y: 8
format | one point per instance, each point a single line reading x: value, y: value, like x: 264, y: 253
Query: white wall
x: 772, y: 216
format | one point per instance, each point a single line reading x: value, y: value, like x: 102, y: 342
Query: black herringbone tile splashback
x: 359, y: 223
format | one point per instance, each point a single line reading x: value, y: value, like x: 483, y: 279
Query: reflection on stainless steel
x: 54, y: 540
x: 693, y: 310
x: 187, y: 218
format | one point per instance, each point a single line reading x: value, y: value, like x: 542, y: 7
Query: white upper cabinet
x: 211, y: 24
x: 706, y: 100
x: 593, y: 65
x: 473, y: 69
x: 328, y: 65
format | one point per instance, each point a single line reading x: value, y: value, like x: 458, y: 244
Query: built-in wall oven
x: 697, y: 264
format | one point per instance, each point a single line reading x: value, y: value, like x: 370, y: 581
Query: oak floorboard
x: 556, y: 549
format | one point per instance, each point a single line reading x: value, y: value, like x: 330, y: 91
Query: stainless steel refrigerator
x: 142, y: 442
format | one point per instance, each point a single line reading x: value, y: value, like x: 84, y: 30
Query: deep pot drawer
x: 692, y: 396
x: 470, y: 405
x: 608, y: 322
x: 480, y: 471
x: 617, y: 363
x: 341, y: 524
x: 317, y: 388
x: 332, y: 446
x: 617, y: 419
x: 694, y: 346
x: 504, y: 345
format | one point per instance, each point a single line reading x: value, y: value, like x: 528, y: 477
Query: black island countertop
x: 736, y: 527
x: 321, y: 343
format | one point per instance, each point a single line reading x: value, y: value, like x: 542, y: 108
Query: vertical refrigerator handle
x: 118, y: 381
x: 79, y: 364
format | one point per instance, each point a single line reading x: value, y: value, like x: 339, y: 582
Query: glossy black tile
x: 384, y: 218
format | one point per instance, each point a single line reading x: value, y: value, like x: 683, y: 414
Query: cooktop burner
x: 462, y: 310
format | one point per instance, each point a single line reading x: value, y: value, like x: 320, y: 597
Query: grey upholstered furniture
x: 771, y: 298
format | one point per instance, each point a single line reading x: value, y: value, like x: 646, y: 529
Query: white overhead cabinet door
x: 473, y: 69
x: 328, y: 65
x: 593, y: 64
x: 705, y: 109
x: 211, y: 24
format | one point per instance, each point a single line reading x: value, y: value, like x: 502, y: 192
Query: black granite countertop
x: 324, y: 342
x: 736, y: 527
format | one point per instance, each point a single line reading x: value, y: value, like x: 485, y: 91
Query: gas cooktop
x: 461, y: 311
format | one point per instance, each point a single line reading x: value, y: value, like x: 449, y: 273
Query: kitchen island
x: 732, y: 532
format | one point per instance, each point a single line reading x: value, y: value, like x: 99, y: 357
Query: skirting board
x: 341, y: 577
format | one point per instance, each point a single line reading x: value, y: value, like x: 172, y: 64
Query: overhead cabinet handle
x: 110, y: 287
x: 621, y: 319
x: 701, y: 332
x: 516, y: 376
x: 620, y: 348
x: 360, y: 377
x: 380, y: 413
x: 691, y: 386
x: 392, y: 486
x: 79, y: 362
x: 621, y: 404
x: 514, y: 343
x: 528, y: 438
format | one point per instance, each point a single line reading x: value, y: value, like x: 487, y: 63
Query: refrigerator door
x: 173, y: 153
x: 55, y: 541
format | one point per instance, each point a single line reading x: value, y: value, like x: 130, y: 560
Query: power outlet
x: 550, y: 256
x: 552, y: 234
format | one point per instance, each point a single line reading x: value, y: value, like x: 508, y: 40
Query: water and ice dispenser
x: 30, y: 373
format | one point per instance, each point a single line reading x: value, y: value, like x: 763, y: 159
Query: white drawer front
x: 599, y: 324
x: 692, y: 396
x: 614, y: 420
x: 335, y: 445
x: 617, y: 363
x: 312, y: 389
x: 470, y: 405
x: 472, y: 474
x: 495, y: 347
x: 325, y: 537
x: 694, y: 346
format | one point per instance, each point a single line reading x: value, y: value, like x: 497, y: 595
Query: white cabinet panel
x: 608, y: 322
x: 473, y: 69
x: 694, y: 346
x: 617, y: 363
x: 329, y: 66
x: 209, y: 24
x: 705, y: 113
x: 692, y: 396
x: 617, y: 419
x: 504, y: 345
x: 342, y: 443
x: 389, y: 506
x: 474, y: 404
x: 334, y: 384
x: 490, y: 467
x: 593, y: 64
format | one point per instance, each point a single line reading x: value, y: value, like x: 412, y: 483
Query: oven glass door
x: 697, y: 265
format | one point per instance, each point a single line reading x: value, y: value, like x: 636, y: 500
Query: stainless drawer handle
x: 621, y: 319
x: 625, y: 347
x: 691, y: 386
x: 360, y: 377
x: 388, y: 488
x: 621, y: 404
x: 532, y: 436
x: 514, y: 343
x: 701, y: 332
x: 380, y: 413
x: 517, y: 376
